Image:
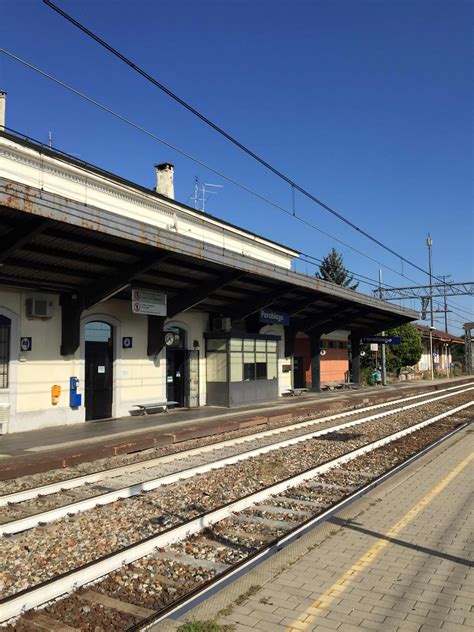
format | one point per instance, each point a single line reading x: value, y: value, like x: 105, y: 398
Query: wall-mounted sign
x: 274, y: 317
x: 26, y: 343
x: 101, y: 369
x: 384, y: 340
x: 127, y: 342
x: 148, y: 302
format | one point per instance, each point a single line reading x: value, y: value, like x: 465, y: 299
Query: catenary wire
x: 231, y: 138
x: 363, y: 279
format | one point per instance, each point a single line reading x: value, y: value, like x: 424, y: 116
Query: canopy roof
x: 49, y: 242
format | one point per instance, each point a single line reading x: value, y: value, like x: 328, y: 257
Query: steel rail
x: 182, y: 605
x: 50, y: 515
x: 38, y: 595
x: 78, y: 481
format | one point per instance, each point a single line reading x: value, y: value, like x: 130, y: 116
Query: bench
x: 295, y: 391
x: 341, y: 386
x: 145, y: 408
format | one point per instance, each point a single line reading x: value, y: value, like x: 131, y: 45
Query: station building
x: 112, y: 295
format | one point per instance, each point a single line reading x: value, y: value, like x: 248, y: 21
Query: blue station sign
x: 274, y: 317
x: 383, y: 340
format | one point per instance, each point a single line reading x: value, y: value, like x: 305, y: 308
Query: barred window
x: 5, y: 325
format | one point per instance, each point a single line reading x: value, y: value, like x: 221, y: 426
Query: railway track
x: 31, y: 507
x: 46, y: 483
x: 225, y: 525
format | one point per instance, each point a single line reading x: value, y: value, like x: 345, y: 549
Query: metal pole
x: 384, y: 368
x: 429, y: 243
x: 196, y: 192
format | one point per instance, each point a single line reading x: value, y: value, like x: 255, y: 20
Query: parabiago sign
x: 383, y: 340
x: 149, y: 302
x: 274, y: 317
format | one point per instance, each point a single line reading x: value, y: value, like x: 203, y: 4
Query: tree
x: 332, y: 269
x: 408, y: 352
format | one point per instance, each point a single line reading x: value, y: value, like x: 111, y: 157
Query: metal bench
x: 145, y: 408
x: 341, y: 386
x: 344, y: 385
x: 294, y: 392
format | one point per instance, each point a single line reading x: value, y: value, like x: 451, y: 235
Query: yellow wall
x: 137, y: 377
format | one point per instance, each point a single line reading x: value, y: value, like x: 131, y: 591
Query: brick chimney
x: 3, y: 105
x: 164, y: 179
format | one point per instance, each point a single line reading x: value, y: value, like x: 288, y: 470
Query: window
x: 249, y: 359
x: 342, y: 345
x: 5, y: 326
x: 331, y: 344
x: 216, y: 365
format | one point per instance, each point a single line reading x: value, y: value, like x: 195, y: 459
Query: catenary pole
x: 429, y: 243
x: 384, y: 368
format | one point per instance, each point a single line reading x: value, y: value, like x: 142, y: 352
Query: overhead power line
x: 229, y: 137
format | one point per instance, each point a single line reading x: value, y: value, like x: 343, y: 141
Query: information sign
x: 383, y: 340
x: 26, y: 343
x: 149, y: 302
x: 127, y: 342
x: 274, y: 317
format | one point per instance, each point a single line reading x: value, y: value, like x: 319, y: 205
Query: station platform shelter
x: 114, y: 295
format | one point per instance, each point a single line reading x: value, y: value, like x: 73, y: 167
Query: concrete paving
x: 399, y: 559
x: 49, y: 448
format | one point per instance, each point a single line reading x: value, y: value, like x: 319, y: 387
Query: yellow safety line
x: 324, y: 601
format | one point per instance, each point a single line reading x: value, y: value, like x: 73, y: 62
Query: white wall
x: 26, y: 165
x: 284, y: 379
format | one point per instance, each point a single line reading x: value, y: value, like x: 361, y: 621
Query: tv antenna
x: 201, y: 194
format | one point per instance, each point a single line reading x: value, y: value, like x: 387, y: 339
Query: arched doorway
x: 5, y: 335
x: 99, y: 363
x: 176, y: 365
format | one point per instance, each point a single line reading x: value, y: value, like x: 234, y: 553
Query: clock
x: 169, y: 338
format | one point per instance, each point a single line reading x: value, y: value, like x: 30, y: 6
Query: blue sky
x: 368, y: 105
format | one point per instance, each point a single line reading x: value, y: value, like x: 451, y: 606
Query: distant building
x: 442, y: 348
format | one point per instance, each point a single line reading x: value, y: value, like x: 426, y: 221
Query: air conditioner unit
x: 39, y: 307
x: 222, y: 324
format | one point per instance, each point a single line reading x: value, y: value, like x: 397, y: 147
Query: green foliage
x: 408, y: 352
x: 457, y: 351
x: 205, y: 626
x: 332, y: 269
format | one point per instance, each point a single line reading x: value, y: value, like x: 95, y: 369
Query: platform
x: 398, y: 559
x: 50, y: 448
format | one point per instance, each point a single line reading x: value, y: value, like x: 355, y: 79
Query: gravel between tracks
x: 47, y: 502
x: 153, y: 583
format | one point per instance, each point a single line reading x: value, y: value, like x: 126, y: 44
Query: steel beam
x: 16, y: 238
x: 123, y: 276
x: 71, y: 310
x: 28, y: 200
x: 190, y: 298
x: 255, y: 304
